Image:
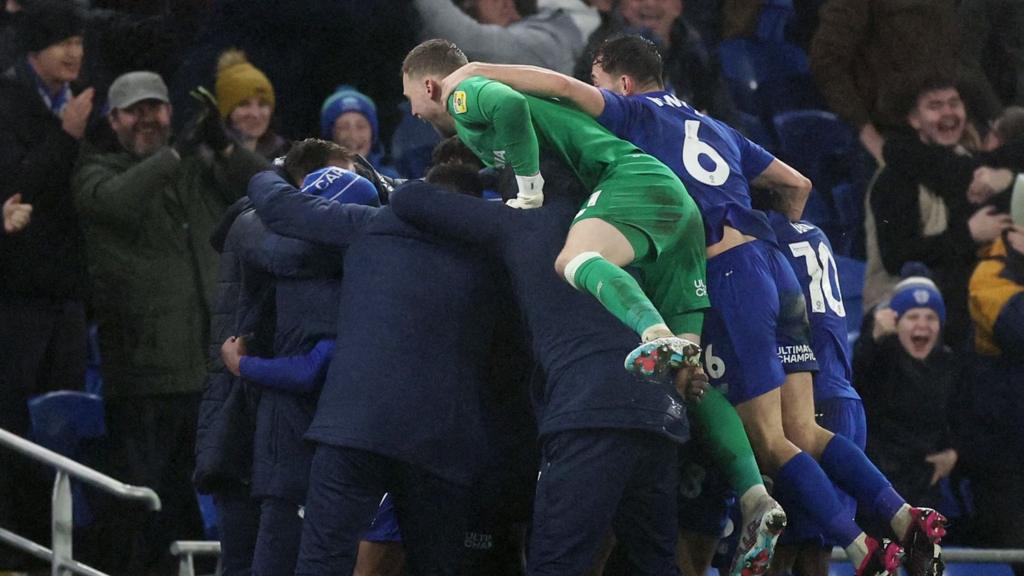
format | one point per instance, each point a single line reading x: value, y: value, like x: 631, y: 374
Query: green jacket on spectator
x: 147, y: 224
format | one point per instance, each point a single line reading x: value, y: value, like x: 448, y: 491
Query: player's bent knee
x: 567, y: 264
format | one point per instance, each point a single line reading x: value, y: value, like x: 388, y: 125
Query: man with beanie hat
x: 908, y: 381
x: 147, y: 211
x: 349, y: 117
x: 341, y: 185
x: 43, y: 280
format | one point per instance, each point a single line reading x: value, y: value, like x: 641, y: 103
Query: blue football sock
x: 850, y: 468
x: 801, y: 483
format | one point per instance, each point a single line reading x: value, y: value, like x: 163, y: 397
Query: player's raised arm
x: 792, y: 188
x: 532, y: 80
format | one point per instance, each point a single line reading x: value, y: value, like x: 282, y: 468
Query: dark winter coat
x: 37, y: 157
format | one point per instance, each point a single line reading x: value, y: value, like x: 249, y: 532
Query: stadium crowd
x: 329, y: 269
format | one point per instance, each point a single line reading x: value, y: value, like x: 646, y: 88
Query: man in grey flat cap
x: 147, y: 212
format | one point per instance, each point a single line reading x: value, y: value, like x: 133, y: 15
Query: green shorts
x: 647, y: 203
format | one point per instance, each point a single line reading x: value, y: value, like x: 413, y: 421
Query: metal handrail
x: 61, y: 522
x: 80, y: 471
x: 981, y: 555
x: 186, y: 550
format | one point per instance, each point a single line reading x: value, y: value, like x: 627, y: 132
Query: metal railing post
x: 61, y: 525
x: 62, y: 518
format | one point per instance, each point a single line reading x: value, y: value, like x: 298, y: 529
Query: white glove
x: 531, y: 192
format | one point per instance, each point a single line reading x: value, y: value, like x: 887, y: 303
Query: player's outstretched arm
x: 532, y: 80
x: 792, y: 188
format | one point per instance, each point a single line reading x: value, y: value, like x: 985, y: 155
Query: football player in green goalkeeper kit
x: 638, y: 214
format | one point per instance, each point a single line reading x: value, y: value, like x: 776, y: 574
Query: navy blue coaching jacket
x: 415, y: 333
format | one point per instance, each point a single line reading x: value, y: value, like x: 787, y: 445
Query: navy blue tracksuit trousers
x: 346, y: 487
x: 599, y: 479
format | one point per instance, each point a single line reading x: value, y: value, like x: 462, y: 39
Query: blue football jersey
x: 715, y: 162
x: 810, y: 254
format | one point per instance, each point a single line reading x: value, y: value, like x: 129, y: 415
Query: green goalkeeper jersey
x: 504, y: 127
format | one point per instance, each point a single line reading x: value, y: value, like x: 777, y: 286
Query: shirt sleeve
x: 295, y: 374
x: 488, y: 103
x: 753, y: 158
x: 615, y: 113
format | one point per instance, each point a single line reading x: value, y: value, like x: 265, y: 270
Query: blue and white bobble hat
x: 918, y: 292
x: 342, y: 186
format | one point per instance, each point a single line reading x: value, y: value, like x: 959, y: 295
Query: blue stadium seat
x: 767, y: 77
x: 840, y: 568
x: 815, y: 142
x: 775, y: 16
x: 851, y: 282
x: 848, y: 200
x: 211, y: 521
x: 755, y: 130
x: 61, y: 421
x: 93, y: 376
x: 818, y: 144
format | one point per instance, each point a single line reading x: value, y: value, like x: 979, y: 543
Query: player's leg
x: 803, y: 549
x: 379, y: 559
x: 919, y: 530
x: 433, y: 514
x: 645, y: 522
x: 703, y: 506
x: 740, y: 359
x: 694, y: 553
x: 631, y: 219
x: 592, y: 259
x: 380, y: 549
x: 812, y: 560
x: 345, y: 489
x: 277, y: 544
x: 801, y: 483
x: 583, y: 475
x: 603, y: 555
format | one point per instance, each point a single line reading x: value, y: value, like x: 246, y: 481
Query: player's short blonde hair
x: 437, y: 57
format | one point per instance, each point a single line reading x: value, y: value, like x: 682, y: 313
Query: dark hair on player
x: 312, y: 154
x: 451, y: 150
x: 436, y: 57
x: 631, y: 55
x: 457, y: 177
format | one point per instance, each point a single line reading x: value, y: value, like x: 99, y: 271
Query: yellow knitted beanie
x: 238, y: 80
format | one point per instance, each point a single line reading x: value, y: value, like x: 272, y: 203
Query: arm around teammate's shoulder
x: 450, y: 214
x: 533, y: 80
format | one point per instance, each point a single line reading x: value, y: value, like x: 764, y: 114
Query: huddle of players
x: 669, y: 197
x: 768, y: 306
